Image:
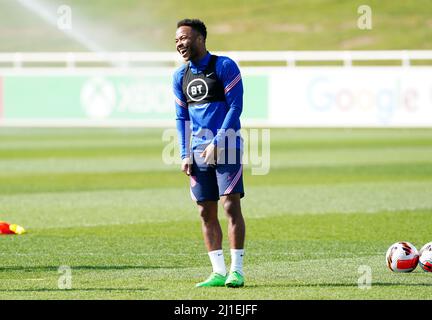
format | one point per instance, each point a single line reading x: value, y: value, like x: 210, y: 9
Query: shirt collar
x: 202, y: 64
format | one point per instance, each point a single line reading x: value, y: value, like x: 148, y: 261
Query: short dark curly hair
x: 195, y: 24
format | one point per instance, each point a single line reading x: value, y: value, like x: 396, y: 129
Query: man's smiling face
x: 187, y: 43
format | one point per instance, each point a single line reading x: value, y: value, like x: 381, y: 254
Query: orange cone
x: 7, y: 228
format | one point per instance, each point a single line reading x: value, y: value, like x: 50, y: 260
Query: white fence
x: 125, y: 59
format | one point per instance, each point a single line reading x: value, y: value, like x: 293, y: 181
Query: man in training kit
x: 209, y: 99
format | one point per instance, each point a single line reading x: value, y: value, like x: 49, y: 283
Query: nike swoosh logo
x: 208, y: 75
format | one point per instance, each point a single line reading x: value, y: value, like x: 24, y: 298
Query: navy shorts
x: 209, y: 182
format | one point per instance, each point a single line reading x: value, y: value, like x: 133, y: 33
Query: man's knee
x: 231, y: 205
x: 207, y: 211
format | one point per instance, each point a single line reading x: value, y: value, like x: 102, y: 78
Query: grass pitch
x: 102, y: 202
x: 138, y: 25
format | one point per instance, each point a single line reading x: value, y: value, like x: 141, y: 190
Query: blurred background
x: 109, y: 63
x: 139, y: 25
x: 309, y: 64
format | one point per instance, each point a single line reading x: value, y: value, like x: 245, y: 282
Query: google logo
x: 324, y: 95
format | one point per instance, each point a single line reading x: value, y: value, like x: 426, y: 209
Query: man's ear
x: 201, y: 39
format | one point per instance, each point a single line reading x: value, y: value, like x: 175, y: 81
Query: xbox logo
x: 98, y: 98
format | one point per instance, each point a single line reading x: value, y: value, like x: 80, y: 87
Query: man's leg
x: 210, y: 225
x: 236, y: 234
x: 236, y: 224
x: 212, y: 233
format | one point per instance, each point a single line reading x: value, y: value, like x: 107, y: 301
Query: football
x: 426, y: 247
x: 402, y: 257
x: 425, y: 259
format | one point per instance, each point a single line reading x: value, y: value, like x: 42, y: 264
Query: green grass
x: 102, y: 202
x: 233, y: 25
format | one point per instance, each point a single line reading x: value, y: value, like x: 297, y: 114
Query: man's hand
x: 209, y: 154
x: 186, y: 166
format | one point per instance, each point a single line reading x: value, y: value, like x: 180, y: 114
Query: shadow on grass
x: 336, y: 285
x: 73, y: 290
x: 55, y: 268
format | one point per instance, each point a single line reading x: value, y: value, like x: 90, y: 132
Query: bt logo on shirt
x: 197, y: 90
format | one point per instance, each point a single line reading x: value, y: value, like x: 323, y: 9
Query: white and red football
x: 427, y: 246
x: 402, y: 257
x: 425, y: 260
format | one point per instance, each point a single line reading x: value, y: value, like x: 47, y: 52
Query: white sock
x: 237, y: 260
x: 218, y: 261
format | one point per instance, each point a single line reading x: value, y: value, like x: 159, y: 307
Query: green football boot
x: 215, y: 280
x: 234, y: 280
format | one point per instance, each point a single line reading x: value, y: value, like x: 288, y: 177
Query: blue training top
x: 209, y: 121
